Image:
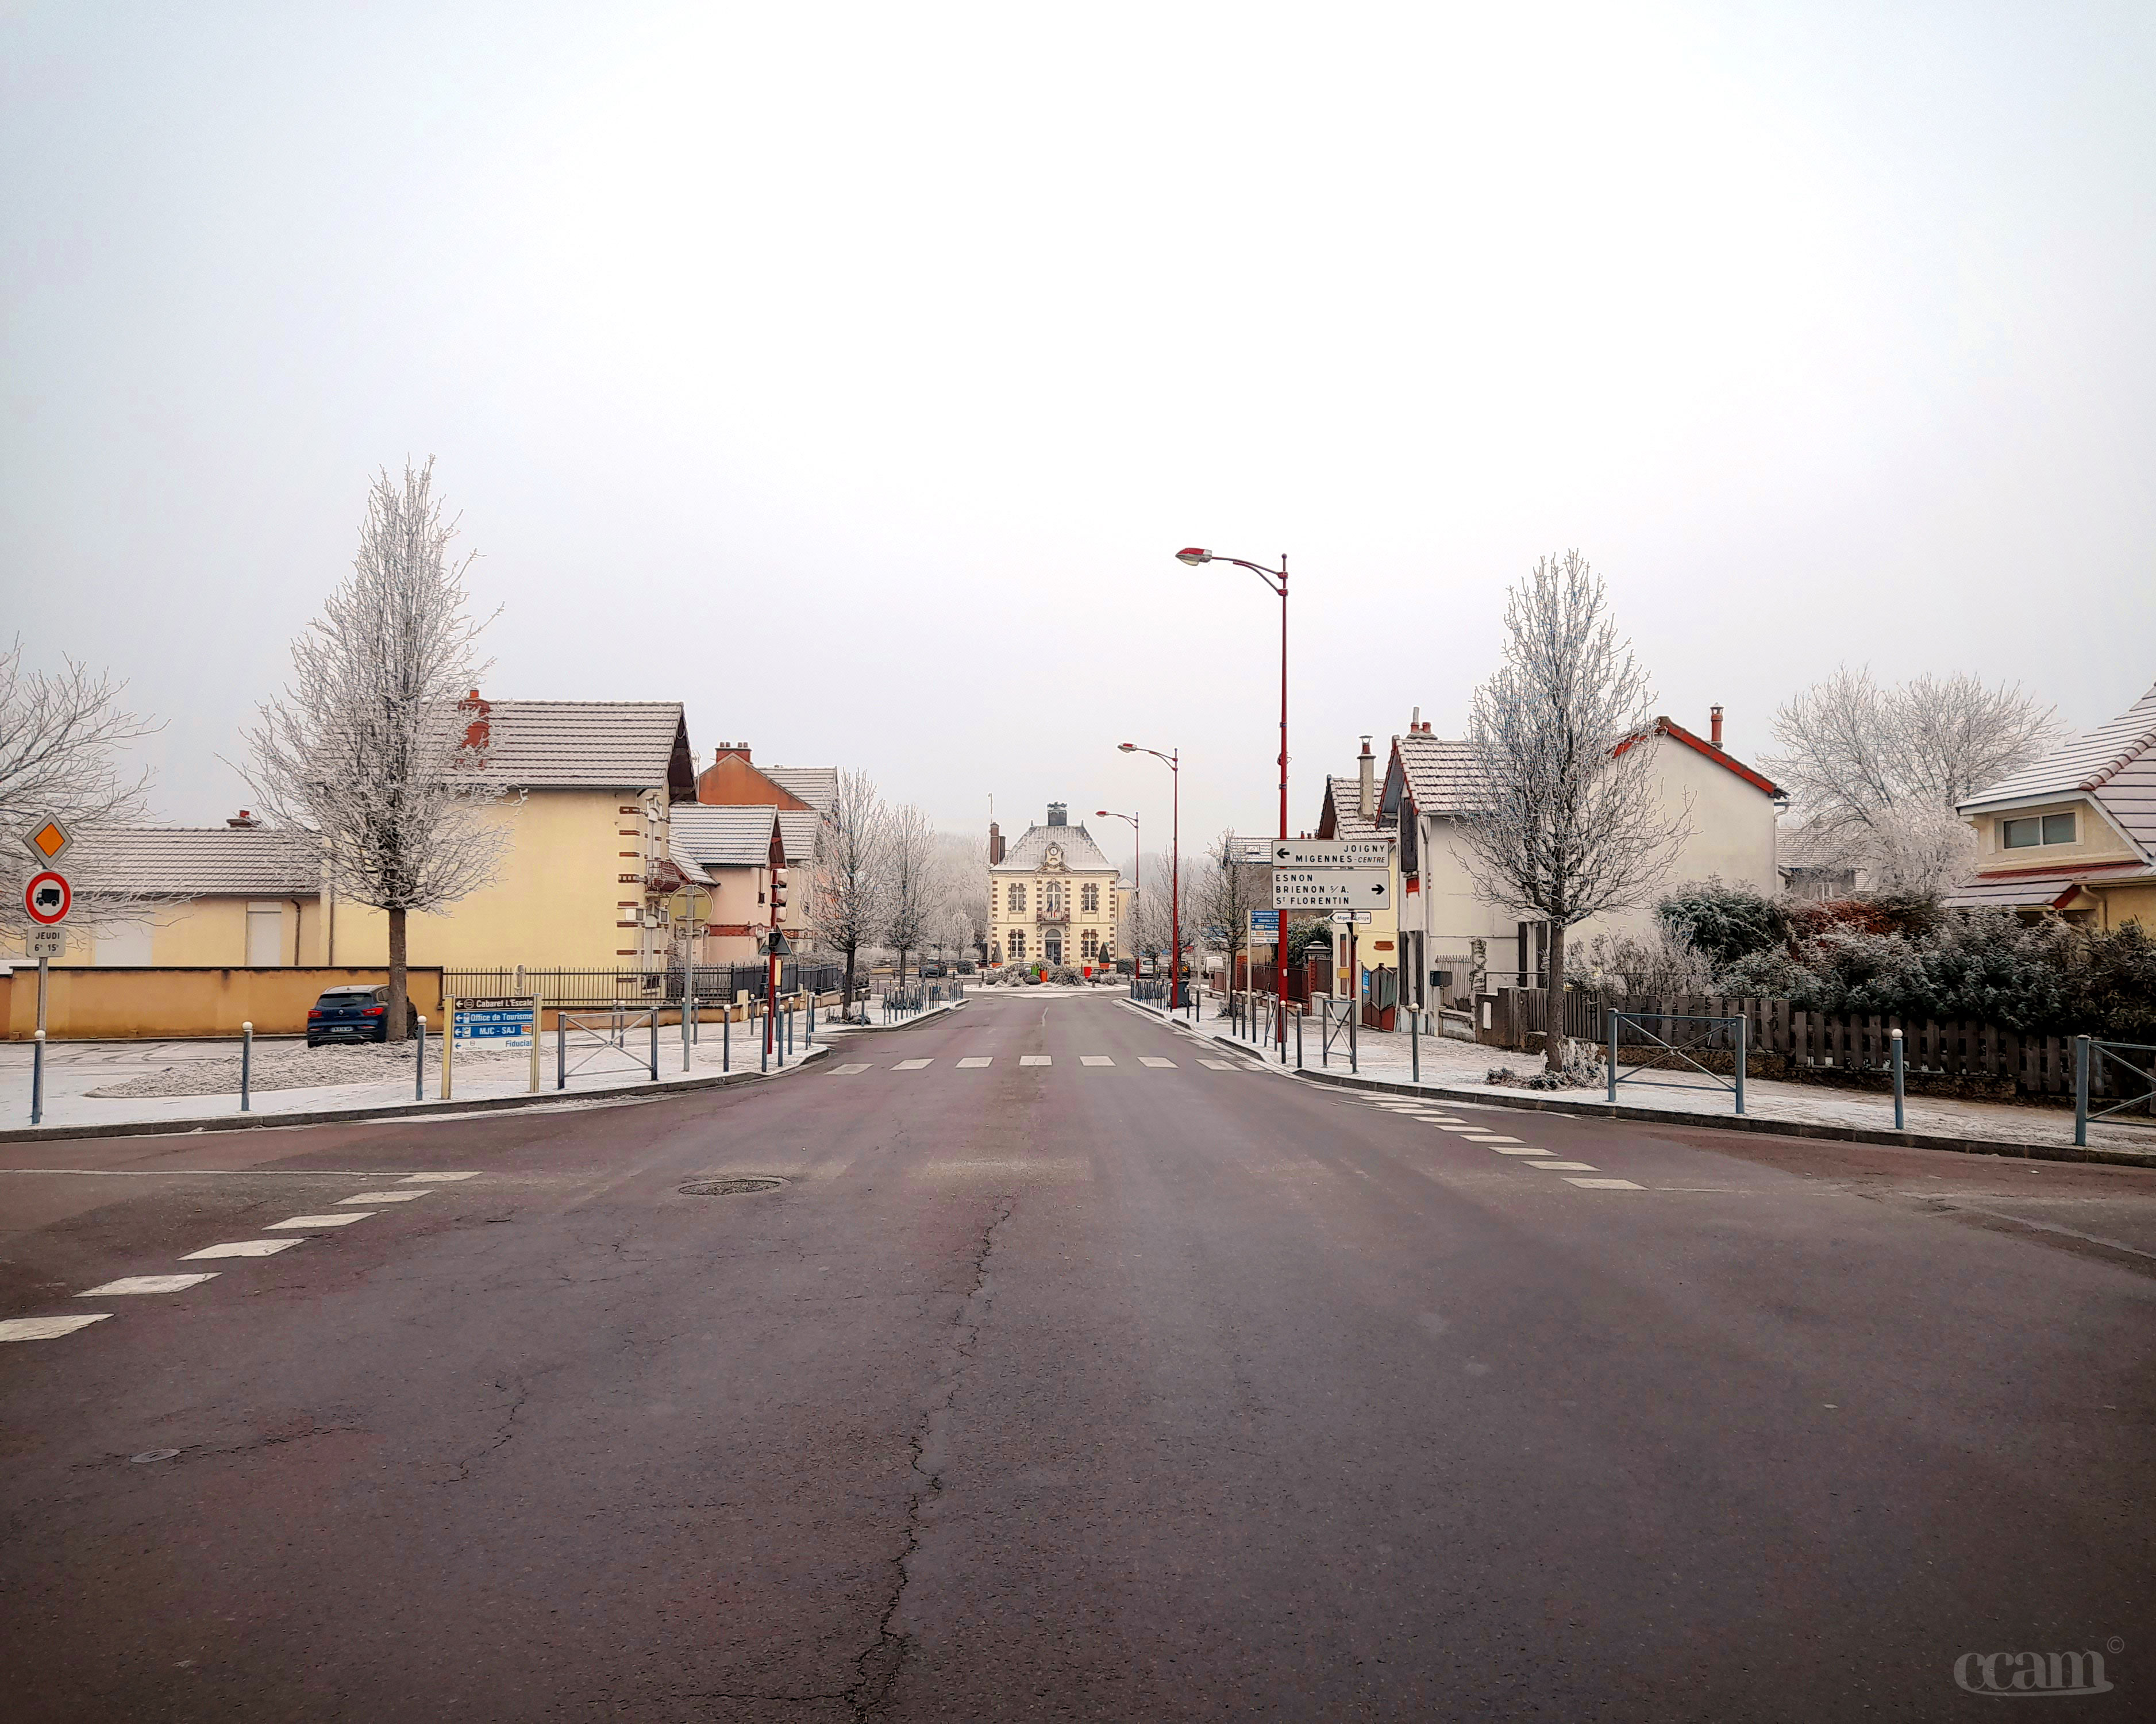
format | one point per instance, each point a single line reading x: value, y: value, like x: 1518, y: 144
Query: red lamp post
x: 1276, y: 581
x: 1111, y: 814
x: 1174, y: 761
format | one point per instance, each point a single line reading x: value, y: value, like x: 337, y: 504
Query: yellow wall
x: 1104, y: 921
x: 557, y: 902
x: 206, y: 932
x: 95, y: 1004
x: 2096, y: 839
x: 2116, y: 905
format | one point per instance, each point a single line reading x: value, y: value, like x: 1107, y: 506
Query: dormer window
x: 2037, y: 830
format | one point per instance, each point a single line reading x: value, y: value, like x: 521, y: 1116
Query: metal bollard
x: 1894, y: 1043
x: 1740, y: 1063
x: 561, y: 1049
x: 2081, y: 1089
x: 655, y: 1045
x: 763, y: 1041
x: 1298, y: 1042
x: 246, y: 1062
x: 420, y: 1062
x: 1415, y: 1047
x: 37, y: 1078
x: 1613, y: 1056
x: 684, y: 1034
x: 726, y: 1041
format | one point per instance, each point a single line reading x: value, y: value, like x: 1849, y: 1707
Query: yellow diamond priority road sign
x: 48, y: 841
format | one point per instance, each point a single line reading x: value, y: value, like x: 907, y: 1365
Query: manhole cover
x: 727, y: 1187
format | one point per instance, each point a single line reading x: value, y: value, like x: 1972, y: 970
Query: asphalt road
x: 1066, y: 1391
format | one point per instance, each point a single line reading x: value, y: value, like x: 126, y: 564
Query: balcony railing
x: 1060, y: 918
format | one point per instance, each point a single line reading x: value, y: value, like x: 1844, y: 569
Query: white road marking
x: 243, y: 1247
x: 1035, y: 1060
x: 980, y: 1063
x: 850, y: 1070
x: 1517, y: 1149
x: 319, y: 1220
x: 1219, y: 1066
x: 1605, y: 1184
x: 436, y: 1178
x: 1562, y: 1166
x: 1488, y: 1137
x: 1095, y: 1059
x: 1158, y: 1063
x: 387, y: 1196
x: 48, y: 1328
x: 913, y: 1064
x: 148, y: 1284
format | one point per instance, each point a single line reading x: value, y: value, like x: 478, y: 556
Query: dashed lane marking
x: 243, y: 1247
x: 1517, y: 1149
x: 48, y: 1328
x: 1035, y: 1060
x: 319, y: 1220
x: 850, y: 1070
x: 1606, y: 1184
x: 1219, y: 1066
x: 1095, y: 1059
x: 1487, y: 1138
x: 980, y: 1062
x: 1562, y: 1166
x: 436, y: 1178
x: 387, y: 1196
x: 913, y: 1065
x: 148, y: 1284
x: 1156, y: 1062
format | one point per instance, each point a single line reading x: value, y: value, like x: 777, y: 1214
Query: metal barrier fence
x: 601, y: 989
x: 601, y: 1040
x: 2109, y: 1060
x: 1720, y: 1033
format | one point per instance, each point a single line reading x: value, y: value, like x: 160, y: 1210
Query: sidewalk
x: 73, y: 1068
x: 1460, y: 1070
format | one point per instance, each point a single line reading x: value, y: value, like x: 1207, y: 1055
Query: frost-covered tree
x: 1874, y: 773
x: 366, y: 748
x: 1569, y: 822
x: 62, y: 738
x: 1232, y: 889
x: 964, y: 861
x: 846, y: 905
x: 914, y: 895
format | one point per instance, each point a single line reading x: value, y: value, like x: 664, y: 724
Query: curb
x: 1747, y: 1122
x: 646, y: 1091
x: 928, y: 1016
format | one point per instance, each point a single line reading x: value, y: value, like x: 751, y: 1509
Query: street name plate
x: 1351, y: 916
x: 1333, y: 852
x: 48, y: 942
x: 1332, y: 889
x: 1265, y: 922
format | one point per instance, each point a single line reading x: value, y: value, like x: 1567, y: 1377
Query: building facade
x: 1052, y: 896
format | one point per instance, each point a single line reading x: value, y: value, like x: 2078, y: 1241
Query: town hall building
x: 1052, y: 897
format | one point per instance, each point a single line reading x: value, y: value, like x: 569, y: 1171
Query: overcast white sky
x: 851, y: 374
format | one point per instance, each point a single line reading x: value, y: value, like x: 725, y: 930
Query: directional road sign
x: 1333, y: 852
x: 48, y: 841
x: 48, y: 898
x: 1351, y: 916
x: 1265, y: 922
x: 47, y: 942
x: 1332, y: 889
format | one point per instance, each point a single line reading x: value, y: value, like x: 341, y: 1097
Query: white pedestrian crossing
x: 1034, y: 1060
x: 243, y: 1247
x: 148, y: 1284
x: 48, y: 1328
x: 978, y: 1062
x: 1156, y: 1064
x: 850, y: 1070
x: 913, y: 1065
x: 312, y: 1221
x: 1095, y: 1059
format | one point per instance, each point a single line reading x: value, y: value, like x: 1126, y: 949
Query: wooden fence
x: 1813, y: 1043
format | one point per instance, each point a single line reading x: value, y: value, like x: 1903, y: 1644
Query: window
x: 2044, y: 830
x: 1088, y: 942
x: 1018, y: 940
x: 1052, y: 897
x: 1089, y: 900
x: 1015, y: 899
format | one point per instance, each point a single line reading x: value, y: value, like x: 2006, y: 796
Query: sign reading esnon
x: 1332, y: 889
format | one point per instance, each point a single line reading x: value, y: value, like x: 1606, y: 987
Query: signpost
x: 1350, y: 916
x: 1332, y: 889
x: 507, y: 1025
x: 48, y: 897
x: 1365, y: 853
x: 1265, y: 922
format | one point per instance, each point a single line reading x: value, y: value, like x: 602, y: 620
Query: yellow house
x: 1052, y: 896
x: 1351, y: 811
x: 2075, y: 833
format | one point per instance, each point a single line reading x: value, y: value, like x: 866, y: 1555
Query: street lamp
x: 1111, y: 814
x: 1174, y: 761
x: 1276, y: 581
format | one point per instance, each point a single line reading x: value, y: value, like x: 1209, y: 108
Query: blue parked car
x: 349, y: 1014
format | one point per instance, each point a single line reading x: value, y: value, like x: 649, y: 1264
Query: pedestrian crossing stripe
x: 1034, y: 1060
x: 913, y: 1065
x: 979, y: 1063
x: 850, y: 1070
x: 1095, y: 1059
x: 1605, y: 1184
x: 1157, y: 1064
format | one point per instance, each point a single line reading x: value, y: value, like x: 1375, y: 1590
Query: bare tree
x: 1232, y: 890
x: 1874, y: 774
x: 916, y: 887
x: 61, y: 738
x: 1153, y: 927
x: 964, y: 862
x: 366, y: 748
x: 846, y: 908
x: 1569, y: 821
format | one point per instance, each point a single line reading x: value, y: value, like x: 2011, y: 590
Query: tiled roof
x: 1441, y: 774
x: 690, y: 871
x: 2007, y: 891
x: 1080, y: 854
x: 816, y: 786
x: 1347, y: 802
x: 799, y: 831
x: 582, y: 744
x: 215, y: 861
x: 721, y: 837
x: 2114, y: 765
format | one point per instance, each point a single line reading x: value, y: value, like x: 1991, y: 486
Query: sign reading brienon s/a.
x: 1332, y: 853
x: 1332, y: 889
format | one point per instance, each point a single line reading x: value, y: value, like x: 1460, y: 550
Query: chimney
x: 245, y: 822
x: 995, y: 844
x: 480, y: 732
x: 1367, y: 764
x: 724, y: 749
x: 1714, y: 726
x: 1059, y: 814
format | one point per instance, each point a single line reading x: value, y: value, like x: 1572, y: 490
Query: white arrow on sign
x: 1332, y: 853
x: 1331, y: 889
x: 1351, y: 916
